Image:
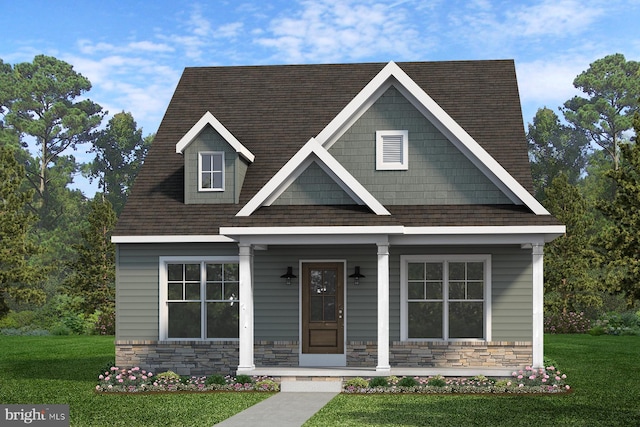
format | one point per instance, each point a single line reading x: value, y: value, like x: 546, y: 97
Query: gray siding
x: 438, y: 172
x: 314, y: 187
x: 277, y: 305
x: 137, y: 284
x: 235, y: 169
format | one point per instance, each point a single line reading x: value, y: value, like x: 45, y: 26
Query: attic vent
x: 392, y: 149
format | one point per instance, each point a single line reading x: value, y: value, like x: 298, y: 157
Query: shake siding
x: 438, y: 172
x: 314, y: 187
x: 137, y: 283
x: 234, y: 170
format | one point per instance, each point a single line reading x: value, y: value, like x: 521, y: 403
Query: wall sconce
x: 356, y: 276
x: 289, y: 275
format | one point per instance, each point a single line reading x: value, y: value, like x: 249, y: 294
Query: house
x: 370, y: 216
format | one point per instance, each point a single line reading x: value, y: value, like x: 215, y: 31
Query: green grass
x: 604, y: 373
x: 64, y: 370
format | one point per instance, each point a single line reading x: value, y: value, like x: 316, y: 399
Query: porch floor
x: 342, y: 371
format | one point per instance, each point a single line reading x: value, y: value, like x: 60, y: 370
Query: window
x: 211, y: 177
x: 392, y: 150
x: 199, y: 299
x: 446, y: 298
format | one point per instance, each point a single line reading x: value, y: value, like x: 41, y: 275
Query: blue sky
x: 134, y: 52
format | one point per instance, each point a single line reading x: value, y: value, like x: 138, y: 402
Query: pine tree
x: 570, y: 280
x: 18, y: 279
x: 93, y: 271
x: 621, y: 240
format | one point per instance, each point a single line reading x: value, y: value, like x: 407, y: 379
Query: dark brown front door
x: 323, y: 308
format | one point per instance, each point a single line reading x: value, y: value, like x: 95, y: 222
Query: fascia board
x: 213, y: 238
x: 297, y: 231
x: 445, y: 123
x: 285, y: 176
x: 467, y: 230
x: 210, y: 119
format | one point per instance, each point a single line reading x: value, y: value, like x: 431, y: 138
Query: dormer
x: 215, y: 163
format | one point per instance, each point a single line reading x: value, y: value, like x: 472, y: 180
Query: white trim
x: 296, y: 165
x: 537, y: 256
x: 246, y: 321
x: 163, y: 307
x: 209, y: 119
x: 212, y: 172
x: 392, y: 74
x: 316, y: 360
x: 383, y: 308
x: 404, y: 141
x: 178, y: 238
x: 404, y: 266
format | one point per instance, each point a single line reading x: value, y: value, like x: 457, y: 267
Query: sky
x: 134, y: 52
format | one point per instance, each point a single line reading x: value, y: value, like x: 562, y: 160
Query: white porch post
x: 538, y: 304
x: 246, y: 363
x: 383, y: 307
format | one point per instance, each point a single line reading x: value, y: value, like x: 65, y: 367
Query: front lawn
x: 64, y: 370
x: 604, y: 373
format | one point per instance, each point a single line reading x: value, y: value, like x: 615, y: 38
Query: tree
x: 570, y: 261
x: 613, y: 87
x: 621, y: 240
x: 93, y: 271
x: 17, y: 275
x: 42, y: 104
x: 120, y: 151
x: 554, y: 149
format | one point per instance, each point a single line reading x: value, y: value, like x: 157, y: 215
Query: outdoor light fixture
x: 289, y: 275
x: 356, y: 276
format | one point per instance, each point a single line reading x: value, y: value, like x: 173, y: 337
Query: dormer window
x: 211, y: 171
x: 392, y: 150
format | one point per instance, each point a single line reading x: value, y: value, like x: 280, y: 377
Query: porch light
x: 289, y: 275
x: 356, y: 276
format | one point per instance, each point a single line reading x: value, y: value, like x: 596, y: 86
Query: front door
x: 323, y: 308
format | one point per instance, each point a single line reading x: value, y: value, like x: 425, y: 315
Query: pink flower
x: 98, y: 387
x: 544, y: 380
x: 513, y: 374
x: 520, y: 385
x: 132, y: 378
x: 120, y: 380
x: 551, y: 368
x: 557, y: 378
x: 532, y: 377
x: 114, y: 368
x: 564, y: 376
x: 107, y: 378
x: 144, y: 377
x: 520, y: 377
x: 567, y: 387
x: 101, y: 377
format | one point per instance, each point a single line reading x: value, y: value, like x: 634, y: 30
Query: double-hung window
x: 199, y: 299
x: 446, y: 298
x: 211, y: 171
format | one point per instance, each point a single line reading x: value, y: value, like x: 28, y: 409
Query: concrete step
x: 315, y: 385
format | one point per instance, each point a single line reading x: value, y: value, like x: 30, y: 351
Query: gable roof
x: 209, y: 119
x: 392, y: 75
x: 264, y: 106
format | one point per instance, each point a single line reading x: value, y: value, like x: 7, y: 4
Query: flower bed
x: 136, y: 380
x: 528, y: 380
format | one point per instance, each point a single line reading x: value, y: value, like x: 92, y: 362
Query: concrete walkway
x: 282, y: 409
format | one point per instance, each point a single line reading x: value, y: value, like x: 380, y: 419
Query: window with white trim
x: 392, y: 150
x: 446, y: 298
x: 199, y: 299
x: 211, y: 171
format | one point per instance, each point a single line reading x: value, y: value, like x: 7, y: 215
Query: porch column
x: 383, y: 308
x: 538, y: 304
x: 246, y: 363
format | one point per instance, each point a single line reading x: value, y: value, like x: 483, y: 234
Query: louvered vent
x: 392, y: 149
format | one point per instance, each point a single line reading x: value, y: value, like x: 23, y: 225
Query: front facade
x: 371, y: 216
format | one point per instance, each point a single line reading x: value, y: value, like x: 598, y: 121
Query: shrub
x: 267, y: 385
x: 408, y: 382
x: 437, y: 381
x: 357, y: 383
x: 215, y: 379
x: 612, y: 323
x: 378, y: 382
x: 105, y: 324
x: 567, y: 323
x: 244, y: 379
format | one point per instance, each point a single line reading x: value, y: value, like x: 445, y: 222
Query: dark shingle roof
x: 265, y: 106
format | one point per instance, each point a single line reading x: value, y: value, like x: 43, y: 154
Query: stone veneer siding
x: 494, y: 354
x: 221, y: 357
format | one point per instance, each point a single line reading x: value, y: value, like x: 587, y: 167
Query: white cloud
x: 560, y: 18
x: 329, y: 31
